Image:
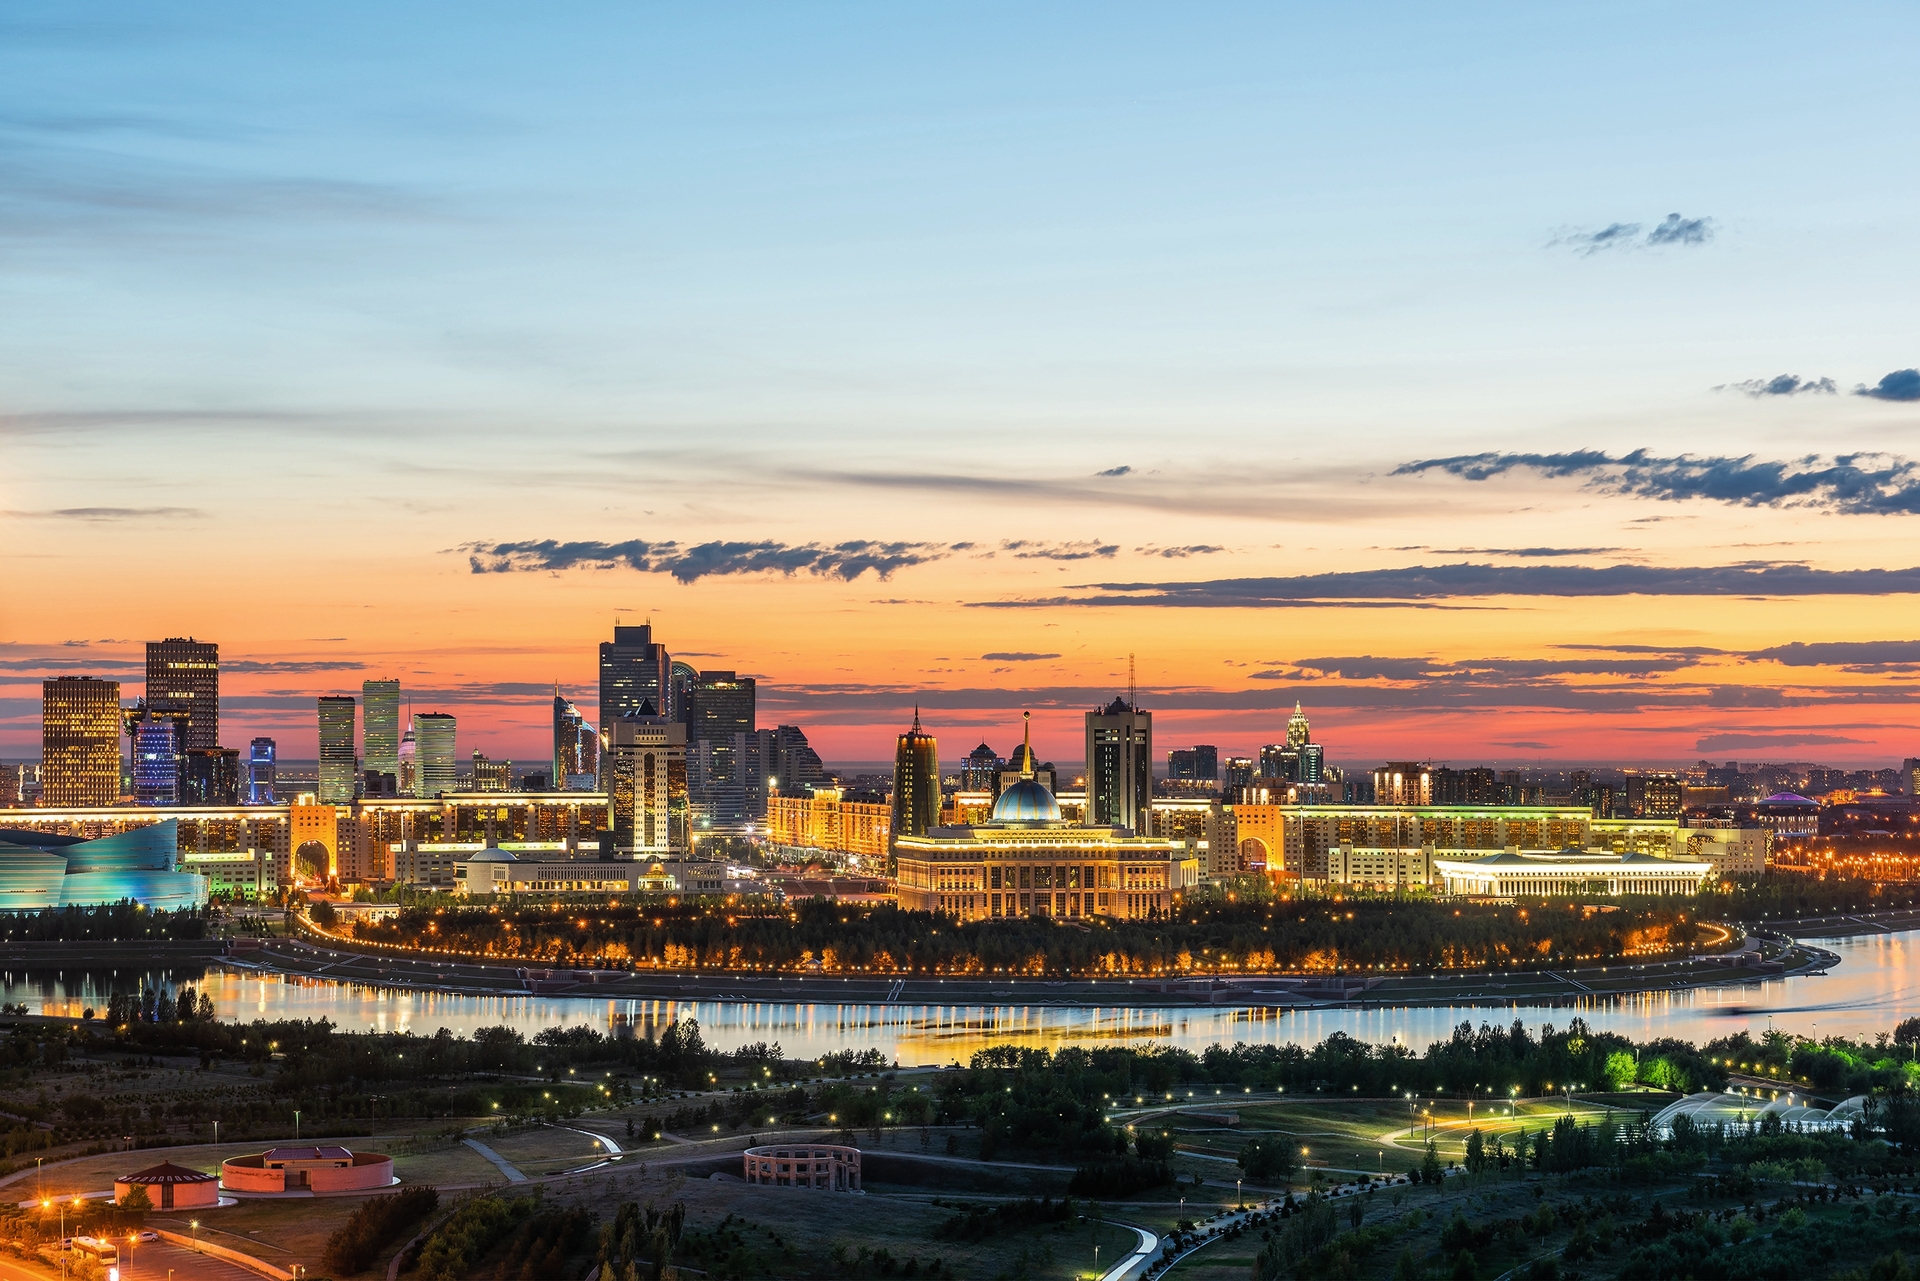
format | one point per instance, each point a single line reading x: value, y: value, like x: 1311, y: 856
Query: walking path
x: 506, y: 1167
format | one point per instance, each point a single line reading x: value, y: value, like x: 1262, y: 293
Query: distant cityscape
x: 673, y: 772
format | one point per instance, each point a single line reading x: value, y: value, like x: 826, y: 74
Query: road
x: 157, y: 1261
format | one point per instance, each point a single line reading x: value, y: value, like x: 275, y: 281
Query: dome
x: 1026, y: 802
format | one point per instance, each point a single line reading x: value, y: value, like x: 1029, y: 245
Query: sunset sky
x: 1509, y: 383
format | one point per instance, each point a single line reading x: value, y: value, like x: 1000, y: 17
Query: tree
x: 1356, y: 1211
x: 136, y: 1200
x: 1621, y: 1070
x: 1268, y: 1160
x: 1430, y: 1166
x: 1476, y: 1153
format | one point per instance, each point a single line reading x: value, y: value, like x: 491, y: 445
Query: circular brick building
x: 326, y: 1168
x: 171, y: 1187
x: 811, y: 1165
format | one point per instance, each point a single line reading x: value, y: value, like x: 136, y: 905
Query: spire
x: 916, y: 718
x: 1026, y: 757
x: 1296, y: 708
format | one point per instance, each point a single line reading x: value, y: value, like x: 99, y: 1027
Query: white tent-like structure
x: 1733, y: 1108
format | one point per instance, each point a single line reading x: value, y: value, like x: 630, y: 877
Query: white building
x: 1512, y: 874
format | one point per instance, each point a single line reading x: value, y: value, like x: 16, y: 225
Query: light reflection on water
x: 1872, y: 988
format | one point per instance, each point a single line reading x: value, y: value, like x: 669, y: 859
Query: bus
x: 101, y: 1251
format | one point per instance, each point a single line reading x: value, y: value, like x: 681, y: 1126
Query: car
x: 149, y: 1235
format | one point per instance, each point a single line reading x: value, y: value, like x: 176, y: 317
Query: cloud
x: 845, y: 561
x: 1430, y: 582
x: 1890, y: 485
x: 1115, y: 471
x: 1901, y: 384
x: 1030, y: 549
x: 1016, y: 656
x: 1523, y: 553
x: 1855, y: 656
x: 1782, y: 385
x: 1724, y: 742
x: 1365, y: 667
x: 1671, y: 230
x: 112, y: 513
x: 250, y: 666
x: 1180, y: 553
x: 1479, y: 671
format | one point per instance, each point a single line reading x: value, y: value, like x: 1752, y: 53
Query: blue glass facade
x: 38, y: 870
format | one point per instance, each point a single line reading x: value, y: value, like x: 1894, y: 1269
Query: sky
x: 1508, y: 383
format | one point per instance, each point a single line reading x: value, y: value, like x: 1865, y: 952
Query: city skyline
x: 1508, y: 387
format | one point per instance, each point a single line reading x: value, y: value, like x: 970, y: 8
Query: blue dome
x: 1026, y: 802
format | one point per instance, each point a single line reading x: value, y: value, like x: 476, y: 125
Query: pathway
x: 505, y: 1166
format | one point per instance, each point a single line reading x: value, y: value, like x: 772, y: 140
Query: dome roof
x: 1789, y: 798
x: 1023, y: 760
x: 1026, y: 802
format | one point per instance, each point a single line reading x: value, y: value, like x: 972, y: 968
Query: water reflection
x: 1871, y: 989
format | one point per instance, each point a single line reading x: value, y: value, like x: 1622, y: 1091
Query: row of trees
x: 106, y: 922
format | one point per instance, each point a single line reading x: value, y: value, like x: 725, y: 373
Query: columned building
x: 1511, y: 874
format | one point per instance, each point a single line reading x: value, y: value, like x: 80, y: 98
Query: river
x: 1872, y: 988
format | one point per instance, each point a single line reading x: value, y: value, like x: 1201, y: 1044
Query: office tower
x: 647, y: 786
x: 793, y: 763
x: 408, y: 779
x: 261, y: 757
x: 916, y: 782
x: 1240, y: 775
x: 719, y: 727
x: 79, y: 741
x: 1662, y: 797
x: 979, y: 770
x: 680, y: 679
x: 491, y: 775
x: 1476, y: 786
x: 1403, y: 783
x: 380, y: 727
x: 1602, y: 795
x: 1297, y: 729
x: 434, y: 768
x: 157, y: 760
x: 336, y: 750
x: 210, y: 776
x: 185, y: 673
x: 634, y: 670
x: 576, y: 748
x: 1910, y: 776
x: 1276, y: 761
x: 1580, y: 788
x: 1119, y: 766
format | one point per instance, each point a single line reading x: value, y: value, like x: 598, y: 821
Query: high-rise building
x: 680, y: 681
x: 634, y: 670
x: 210, y: 776
x: 380, y: 726
x: 336, y: 750
x: 792, y: 764
x: 262, y: 756
x: 1298, y: 732
x: 1240, y: 775
x: 1119, y: 766
x: 719, y: 729
x: 435, y: 770
x: 79, y: 741
x: 979, y: 770
x: 408, y: 779
x: 1403, y: 783
x: 157, y: 759
x: 1198, y: 764
x: 576, y: 748
x: 185, y: 673
x: 916, y: 781
x: 647, y: 786
x: 490, y: 775
x: 1910, y: 776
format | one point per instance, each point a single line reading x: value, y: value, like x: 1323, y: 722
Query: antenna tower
x: 1132, y: 701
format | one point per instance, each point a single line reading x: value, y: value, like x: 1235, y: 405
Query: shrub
x: 476, y: 1227
x: 357, y: 1242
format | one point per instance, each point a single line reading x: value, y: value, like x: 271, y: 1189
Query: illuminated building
x: 79, y: 741
x: 318, y: 1170
x: 1789, y: 814
x: 1240, y: 774
x: 1024, y: 763
x: 1119, y: 766
x: 336, y: 749
x: 210, y: 776
x: 1655, y: 796
x: 435, y: 770
x: 1199, y: 764
x: 1028, y: 861
x: 576, y: 748
x: 407, y: 781
x: 40, y: 870
x: 491, y: 775
x: 1512, y: 873
x: 634, y: 669
x: 243, y: 875
x: 261, y: 756
x: 979, y: 770
x: 648, y: 791
x: 823, y: 820
x: 1403, y: 783
x: 313, y: 836
x: 916, y: 781
x: 185, y: 673
x: 720, y: 769
x: 964, y: 808
x: 380, y: 727
x: 790, y: 762
x: 156, y: 758
x: 1476, y: 786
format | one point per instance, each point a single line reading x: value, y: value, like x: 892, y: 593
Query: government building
x: 1026, y: 860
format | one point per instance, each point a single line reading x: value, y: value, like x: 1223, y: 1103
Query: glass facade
x: 336, y: 749
x: 79, y: 741
x: 380, y: 726
x: 184, y: 673
x: 262, y: 755
x: 435, y: 770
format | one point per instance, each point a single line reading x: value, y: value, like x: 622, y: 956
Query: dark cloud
x: 1016, y: 656
x: 1115, y: 471
x: 1854, y: 484
x: 249, y: 666
x: 1484, y: 671
x: 111, y: 513
x: 1030, y: 549
x: 1364, y: 667
x: 1671, y: 230
x: 1901, y: 384
x: 1782, y: 385
x: 1180, y: 553
x: 1737, y: 739
x: 1612, y: 236
x: 689, y: 563
x: 1522, y: 553
x: 1429, y: 582
x: 1856, y: 656
x: 1675, y: 230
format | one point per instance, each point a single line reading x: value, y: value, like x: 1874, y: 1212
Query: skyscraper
x: 79, y: 741
x: 157, y: 758
x: 647, y: 786
x: 490, y: 775
x: 719, y: 729
x: 210, y: 776
x: 1298, y: 732
x: 916, y: 782
x: 435, y: 770
x: 380, y: 727
x: 576, y: 748
x: 793, y: 762
x: 185, y: 673
x: 978, y: 769
x: 262, y: 756
x: 1119, y: 766
x: 336, y: 750
x: 1198, y: 764
x: 633, y: 670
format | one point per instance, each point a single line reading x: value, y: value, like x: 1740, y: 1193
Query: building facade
x: 337, y: 759
x: 1119, y: 766
x: 722, y: 765
x: 79, y: 741
x: 823, y: 820
x: 185, y: 673
x: 435, y: 766
x: 576, y: 748
x: 380, y: 727
x: 262, y: 758
x: 1514, y: 874
x: 916, y: 781
x: 652, y: 812
x: 210, y: 776
x: 634, y: 669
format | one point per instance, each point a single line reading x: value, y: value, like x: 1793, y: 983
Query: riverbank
x: 1757, y: 960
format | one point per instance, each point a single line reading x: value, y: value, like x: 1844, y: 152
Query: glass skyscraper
x: 184, y: 673
x: 634, y: 670
x: 380, y: 727
x: 916, y: 782
x: 576, y: 748
x: 719, y: 733
x: 1119, y: 766
x: 261, y: 759
x: 336, y: 749
x: 435, y: 768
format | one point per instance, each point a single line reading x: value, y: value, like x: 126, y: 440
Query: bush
x: 1119, y: 1178
x: 357, y: 1242
x: 476, y: 1227
x: 1267, y: 1160
x: 977, y: 1222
